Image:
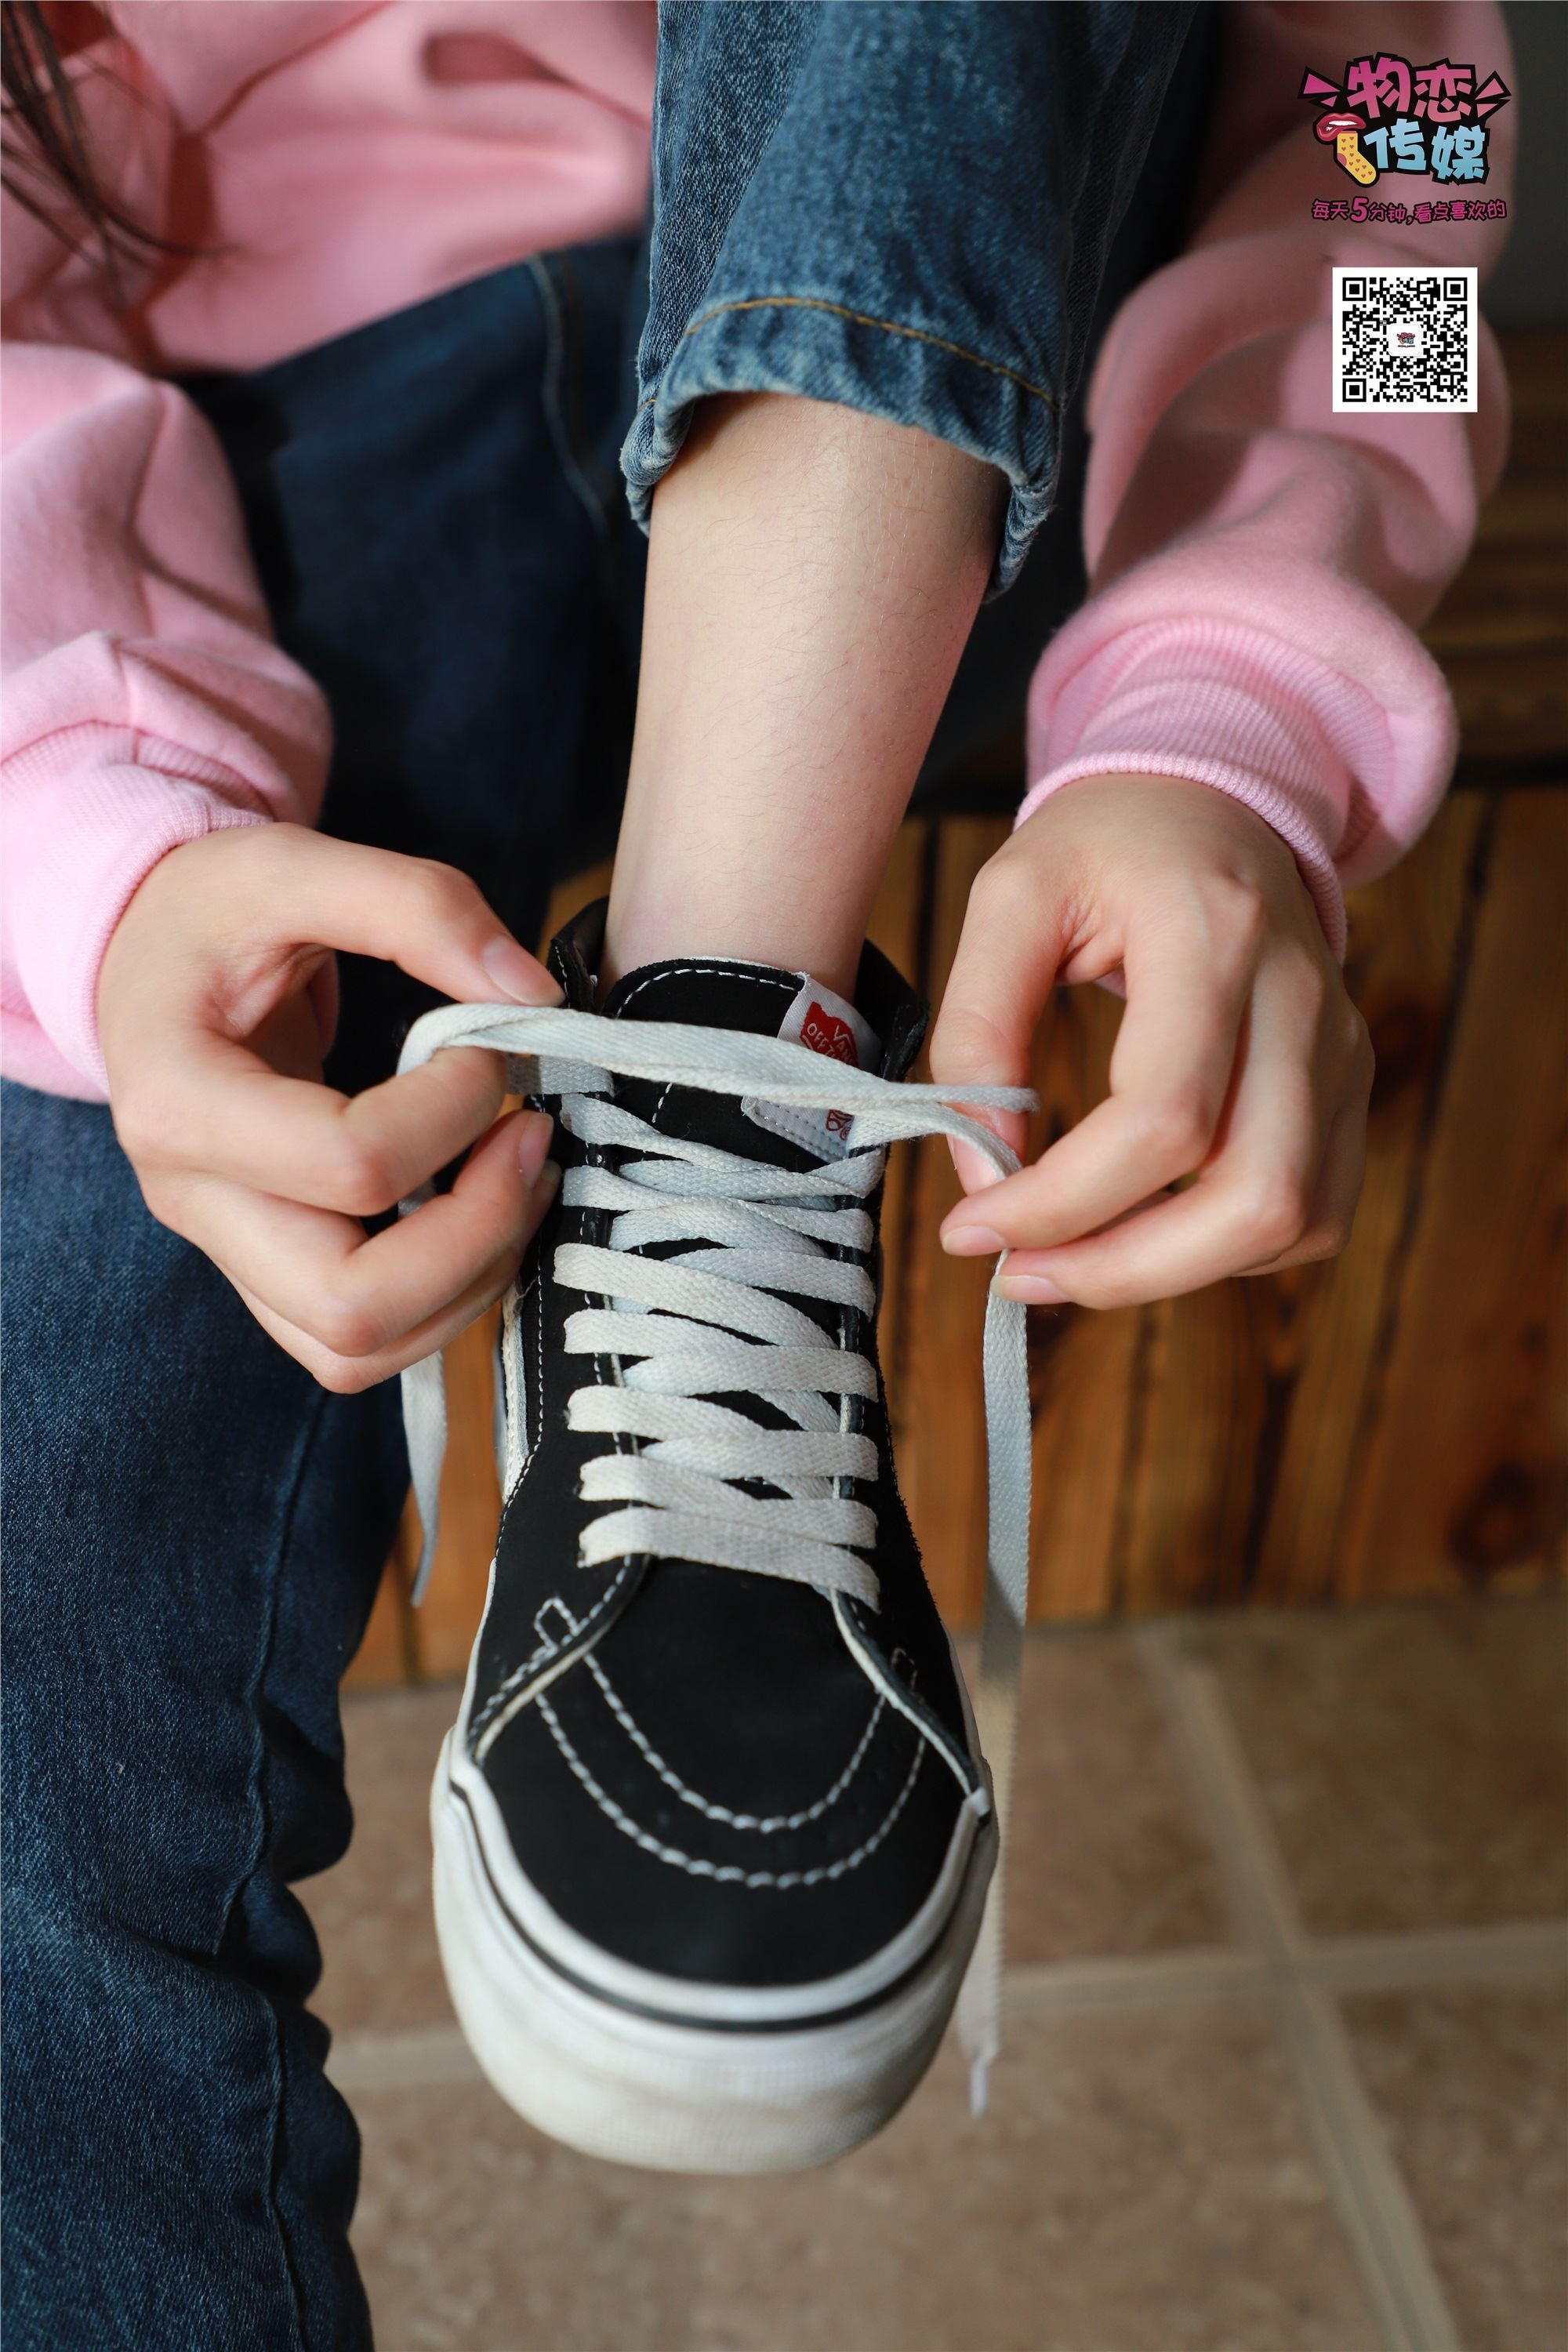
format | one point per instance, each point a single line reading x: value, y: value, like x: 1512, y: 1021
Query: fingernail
x: 1031, y: 1290
x: 544, y: 1190
x: 971, y: 1241
x: 535, y: 1130
x: 518, y: 975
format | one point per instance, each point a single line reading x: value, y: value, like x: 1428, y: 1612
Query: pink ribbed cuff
x: 1226, y: 705
x: 78, y: 840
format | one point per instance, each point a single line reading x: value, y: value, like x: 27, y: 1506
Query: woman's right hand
x: 207, y: 1008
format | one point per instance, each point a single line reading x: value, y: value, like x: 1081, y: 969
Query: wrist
x: 1230, y: 805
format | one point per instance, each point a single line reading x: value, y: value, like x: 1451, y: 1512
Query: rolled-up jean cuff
x: 821, y: 349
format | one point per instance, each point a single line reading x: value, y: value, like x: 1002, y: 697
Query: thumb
x: 1009, y: 951
x: 429, y: 920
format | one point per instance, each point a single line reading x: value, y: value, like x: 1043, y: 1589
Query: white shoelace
x: 709, y: 1322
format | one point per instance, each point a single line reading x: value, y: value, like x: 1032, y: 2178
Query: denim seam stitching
x: 280, y: 1569
x: 864, y: 319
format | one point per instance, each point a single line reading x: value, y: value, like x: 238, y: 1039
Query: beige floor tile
x: 475, y: 2234
x: 1106, y: 1856
x: 1473, y: 2087
x: 1143, y: 2184
x: 1413, y: 1759
x: 373, y: 1912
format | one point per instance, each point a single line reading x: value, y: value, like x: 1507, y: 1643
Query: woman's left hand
x: 1240, y: 1064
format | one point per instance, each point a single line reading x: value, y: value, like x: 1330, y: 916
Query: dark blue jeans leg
x: 442, y: 546
x: 194, y: 1529
x: 906, y: 210
x: 193, y: 1533
x: 931, y: 214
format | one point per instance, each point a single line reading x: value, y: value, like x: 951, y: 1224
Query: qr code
x: 1404, y: 338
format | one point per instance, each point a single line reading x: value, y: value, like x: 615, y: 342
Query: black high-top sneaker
x: 712, y: 1834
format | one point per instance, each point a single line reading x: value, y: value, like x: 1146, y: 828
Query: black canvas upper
x: 697, y: 1701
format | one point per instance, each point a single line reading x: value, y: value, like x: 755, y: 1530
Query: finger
x: 207, y: 1103
x: 356, y: 1296
x: 348, y: 1375
x: 1002, y: 973
x: 1187, y: 983
x: 296, y: 895
x: 1336, y: 1193
x: 429, y: 920
x: 1248, y: 1208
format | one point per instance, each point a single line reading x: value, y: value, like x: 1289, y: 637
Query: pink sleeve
x: 144, y: 701
x: 1259, y: 566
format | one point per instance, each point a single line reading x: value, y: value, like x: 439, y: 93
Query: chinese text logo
x: 1388, y: 115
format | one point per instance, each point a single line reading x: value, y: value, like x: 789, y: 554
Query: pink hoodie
x: 1258, y: 565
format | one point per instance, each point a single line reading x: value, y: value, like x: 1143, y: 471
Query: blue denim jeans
x: 908, y: 210
x: 925, y: 212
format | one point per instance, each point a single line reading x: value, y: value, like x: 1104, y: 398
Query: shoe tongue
x: 762, y: 1001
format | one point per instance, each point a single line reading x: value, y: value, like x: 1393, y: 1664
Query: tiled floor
x: 1285, y: 2071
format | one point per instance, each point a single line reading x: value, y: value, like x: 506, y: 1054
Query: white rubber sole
x: 679, y: 2096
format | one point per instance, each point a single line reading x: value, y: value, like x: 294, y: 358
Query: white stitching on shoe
x: 514, y: 1368
x: 724, y: 971
x: 531, y: 1452
x: 623, y: 1442
x: 519, y: 1674
x: 658, y: 972
x: 562, y: 1051
x: 546, y: 1648
x: 879, y: 1673
x: 766, y: 1825
x: 573, y: 1624
x: 575, y: 1053
x: 726, y: 1874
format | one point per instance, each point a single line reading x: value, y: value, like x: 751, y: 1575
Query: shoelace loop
x: 709, y: 1322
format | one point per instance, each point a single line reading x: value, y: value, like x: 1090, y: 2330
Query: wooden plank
x: 1510, y: 706
x: 385, y: 1656
x: 1501, y: 631
x: 1083, y: 1381
x: 896, y: 927
x: 937, y: 1402
x: 1526, y: 511
x: 445, y: 1626
x: 571, y: 895
x: 1466, y: 1482
x: 1254, y: 1389
x: 1506, y: 600
x: 1251, y: 1392
x: 1537, y: 362
x: 1535, y: 441
x: 1325, y: 1320
x: 896, y: 916
x: 1082, y: 1365
x: 1201, y: 1427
